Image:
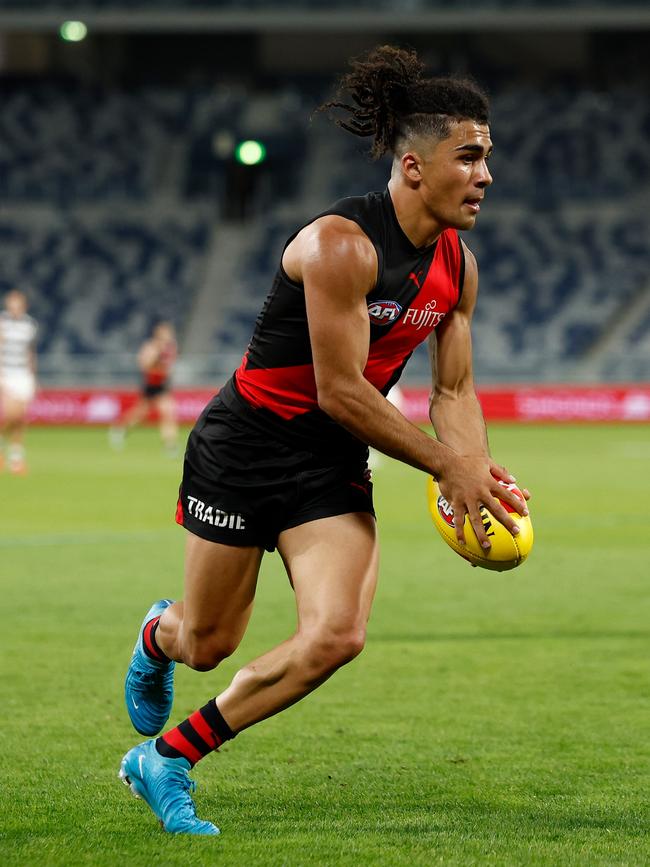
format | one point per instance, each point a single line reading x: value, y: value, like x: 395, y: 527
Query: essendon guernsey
x: 159, y: 373
x: 275, y: 386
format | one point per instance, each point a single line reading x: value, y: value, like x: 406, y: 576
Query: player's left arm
x: 454, y: 408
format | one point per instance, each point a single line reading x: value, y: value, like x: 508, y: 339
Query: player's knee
x: 328, y: 650
x: 203, y: 652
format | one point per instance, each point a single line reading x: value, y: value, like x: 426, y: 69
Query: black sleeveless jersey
x: 275, y: 386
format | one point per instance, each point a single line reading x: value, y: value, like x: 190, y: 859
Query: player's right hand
x: 467, y: 483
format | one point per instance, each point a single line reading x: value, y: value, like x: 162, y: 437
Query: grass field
x: 492, y: 719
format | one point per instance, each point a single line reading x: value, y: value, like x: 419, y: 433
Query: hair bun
x: 386, y: 85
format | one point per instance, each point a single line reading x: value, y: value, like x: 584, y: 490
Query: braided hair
x: 393, y: 101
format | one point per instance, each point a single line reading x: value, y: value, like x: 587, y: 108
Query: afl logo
x: 383, y: 312
x: 445, y: 510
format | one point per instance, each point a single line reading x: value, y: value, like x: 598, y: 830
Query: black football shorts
x: 243, y: 487
x: 149, y: 390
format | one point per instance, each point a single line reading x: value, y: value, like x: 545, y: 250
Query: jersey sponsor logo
x: 445, y: 511
x: 212, y: 515
x: 427, y: 318
x: 383, y: 312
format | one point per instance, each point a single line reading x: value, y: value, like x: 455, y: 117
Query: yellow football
x: 507, y: 551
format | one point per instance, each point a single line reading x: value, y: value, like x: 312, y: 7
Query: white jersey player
x: 17, y: 376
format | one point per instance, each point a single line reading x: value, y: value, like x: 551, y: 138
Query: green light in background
x: 73, y: 31
x: 250, y: 153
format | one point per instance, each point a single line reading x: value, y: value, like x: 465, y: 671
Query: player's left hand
x: 500, y: 472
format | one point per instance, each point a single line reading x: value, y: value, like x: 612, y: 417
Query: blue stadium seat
x: 125, y: 186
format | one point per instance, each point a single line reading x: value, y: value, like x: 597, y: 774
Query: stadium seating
x: 562, y: 242
x: 63, y: 142
x: 85, y: 175
x: 551, y: 288
x: 130, y: 185
x: 570, y: 143
x: 96, y: 284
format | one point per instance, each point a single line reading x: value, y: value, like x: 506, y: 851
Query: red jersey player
x: 156, y: 359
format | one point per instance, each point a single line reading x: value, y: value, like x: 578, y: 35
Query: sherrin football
x: 507, y: 551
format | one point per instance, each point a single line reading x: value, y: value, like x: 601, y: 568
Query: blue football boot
x: 165, y: 785
x: 149, y: 684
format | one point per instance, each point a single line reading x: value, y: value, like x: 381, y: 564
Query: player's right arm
x: 337, y: 265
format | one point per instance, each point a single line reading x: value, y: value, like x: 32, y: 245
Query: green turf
x: 492, y: 719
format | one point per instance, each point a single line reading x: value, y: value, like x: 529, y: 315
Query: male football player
x: 279, y: 458
x: 17, y: 377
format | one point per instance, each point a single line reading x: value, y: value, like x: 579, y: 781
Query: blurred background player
x: 156, y: 359
x: 17, y: 377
